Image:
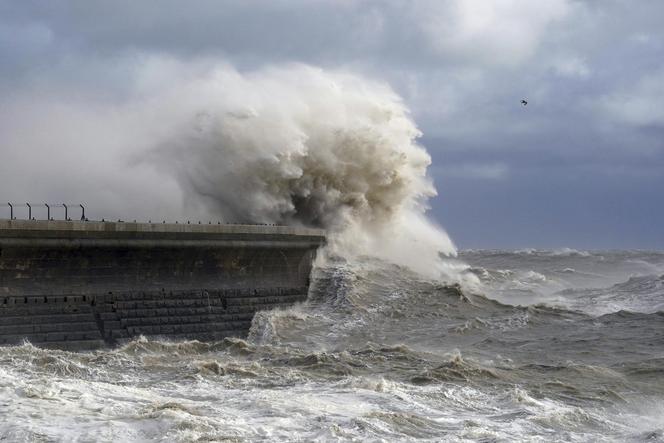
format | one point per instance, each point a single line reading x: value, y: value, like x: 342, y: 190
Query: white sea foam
x: 389, y: 356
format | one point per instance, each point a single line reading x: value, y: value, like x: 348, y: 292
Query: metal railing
x: 33, y: 206
x: 66, y: 207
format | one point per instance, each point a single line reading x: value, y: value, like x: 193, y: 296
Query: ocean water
x: 558, y: 345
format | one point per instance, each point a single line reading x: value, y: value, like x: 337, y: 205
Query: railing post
x: 11, y: 211
x: 29, y: 211
x: 66, y: 215
x: 48, y: 211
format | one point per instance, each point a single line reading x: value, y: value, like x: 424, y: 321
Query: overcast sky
x: 582, y: 165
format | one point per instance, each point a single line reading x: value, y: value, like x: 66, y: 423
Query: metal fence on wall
x: 76, y: 211
x: 45, y: 211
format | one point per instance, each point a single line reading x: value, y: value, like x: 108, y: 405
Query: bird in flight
x: 524, y: 103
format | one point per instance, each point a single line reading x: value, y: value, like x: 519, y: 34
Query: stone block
x: 55, y: 336
x: 118, y: 333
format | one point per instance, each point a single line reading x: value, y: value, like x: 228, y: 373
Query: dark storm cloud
x: 581, y: 165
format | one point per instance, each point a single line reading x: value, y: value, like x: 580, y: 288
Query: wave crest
x: 299, y: 145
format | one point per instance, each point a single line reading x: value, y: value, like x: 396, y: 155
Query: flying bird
x: 524, y: 103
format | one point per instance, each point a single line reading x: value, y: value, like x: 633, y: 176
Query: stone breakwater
x: 82, y: 285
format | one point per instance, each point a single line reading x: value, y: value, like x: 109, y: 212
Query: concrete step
x: 200, y: 293
x: 183, y: 311
x: 108, y: 316
x: 211, y: 302
x: 48, y: 327
x: 103, y: 307
x: 112, y: 324
x: 267, y: 292
x: 165, y: 312
x: 266, y: 300
x: 184, y: 319
x: 122, y: 305
x: 188, y: 328
x: 38, y: 319
x: 30, y: 310
x: 157, y: 295
x: 44, y: 299
x: 116, y: 334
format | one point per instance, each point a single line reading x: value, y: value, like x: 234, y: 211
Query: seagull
x: 524, y: 103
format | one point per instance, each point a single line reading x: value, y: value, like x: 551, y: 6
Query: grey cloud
x: 640, y: 104
x: 591, y: 71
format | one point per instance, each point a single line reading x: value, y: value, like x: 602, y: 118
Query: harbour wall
x: 81, y: 285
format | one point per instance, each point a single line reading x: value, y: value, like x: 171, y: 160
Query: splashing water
x: 289, y: 144
x: 299, y: 145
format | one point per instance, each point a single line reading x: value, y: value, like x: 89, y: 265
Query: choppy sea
x: 551, y: 345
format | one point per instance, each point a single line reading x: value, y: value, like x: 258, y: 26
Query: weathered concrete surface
x: 74, y: 234
x: 81, y: 284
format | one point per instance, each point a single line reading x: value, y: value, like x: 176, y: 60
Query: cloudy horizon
x: 582, y: 165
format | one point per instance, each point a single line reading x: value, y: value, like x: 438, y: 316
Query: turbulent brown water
x: 549, y: 346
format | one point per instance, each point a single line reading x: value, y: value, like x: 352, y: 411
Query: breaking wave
x: 303, y: 146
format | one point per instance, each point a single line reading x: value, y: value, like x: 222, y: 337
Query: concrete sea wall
x: 81, y: 285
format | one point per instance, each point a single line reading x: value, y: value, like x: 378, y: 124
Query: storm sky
x: 582, y: 165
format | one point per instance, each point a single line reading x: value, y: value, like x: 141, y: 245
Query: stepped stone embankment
x: 82, y: 285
